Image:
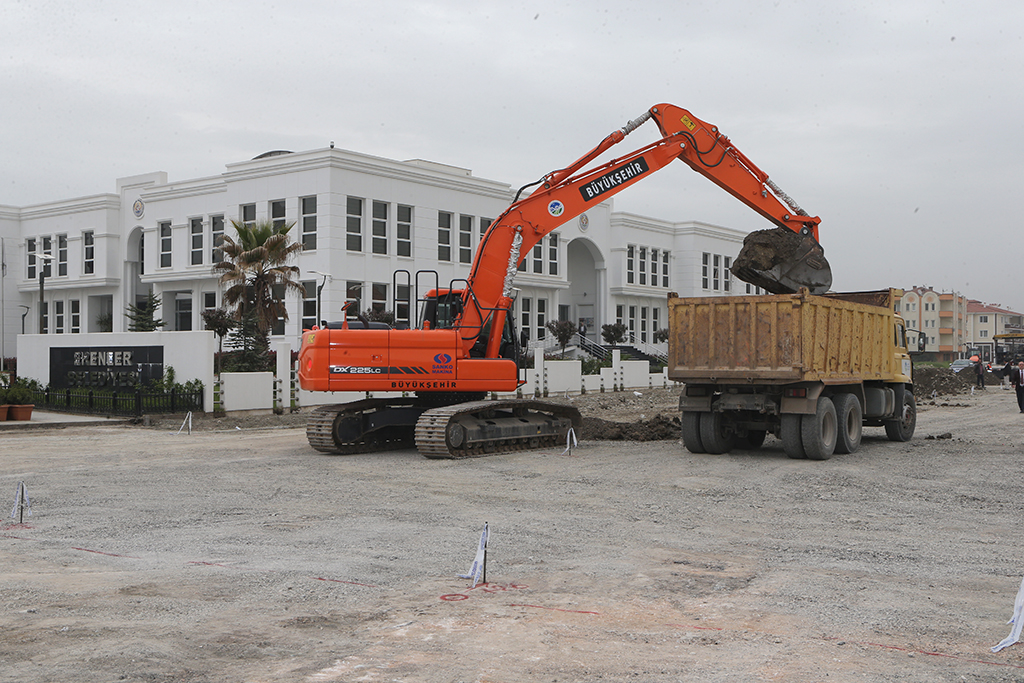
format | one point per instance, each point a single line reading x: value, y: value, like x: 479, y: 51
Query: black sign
x: 611, y: 180
x: 108, y: 367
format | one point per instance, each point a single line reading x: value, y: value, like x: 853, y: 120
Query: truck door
x: 901, y: 353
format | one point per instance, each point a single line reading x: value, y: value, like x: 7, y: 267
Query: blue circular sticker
x: 556, y: 208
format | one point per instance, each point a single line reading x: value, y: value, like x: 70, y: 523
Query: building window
x: 353, y: 292
x: 76, y: 316
x: 402, y: 304
x: 183, y: 311
x: 716, y: 261
x: 30, y: 258
x: 379, y: 228
x: 444, y: 236
x: 307, y: 209
x: 726, y: 273
x: 354, y: 224
x: 247, y: 212
x: 277, y: 213
x: 526, y: 314
x: 47, y: 251
x: 277, y: 292
x: 46, y: 317
x: 705, y: 266
x: 618, y: 314
x: 654, y: 267
x: 88, y: 252
x: 165, y: 244
x: 196, y: 225
x: 643, y: 265
x: 983, y: 334
x: 216, y: 238
x: 485, y: 223
x: 309, y: 305
x: 654, y: 319
x: 553, y: 254
x: 403, y: 227
x: 643, y: 324
x: 631, y: 324
x: 981, y: 318
x: 465, y: 239
x: 378, y: 297
x: 62, y: 254
x: 664, y: 269
x: 538, y: 258
x: 209, y: 300
x: 630, y: 255
x: 58, y: 317
x: 542, y: 319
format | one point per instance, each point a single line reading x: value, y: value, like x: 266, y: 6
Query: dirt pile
x: 930, y: 382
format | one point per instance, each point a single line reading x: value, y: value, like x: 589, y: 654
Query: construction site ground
x: 236, y: 553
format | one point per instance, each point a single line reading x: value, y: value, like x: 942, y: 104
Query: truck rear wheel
x: 902, y: 429
x: 691, y: 432
x: 820, y: 431
x: 716, y: 434
x: 850, y: 419
x: 792, y: 439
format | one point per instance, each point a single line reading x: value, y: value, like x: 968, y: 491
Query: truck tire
x: 820, y: 431
x: 902, y: 429
x: 716, y: 434
x: 850, y: 418
x: 691, y: 432
x: 792, y: 439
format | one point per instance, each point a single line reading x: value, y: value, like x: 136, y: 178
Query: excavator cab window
x: 442, y: 311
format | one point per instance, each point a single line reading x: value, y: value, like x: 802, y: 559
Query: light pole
x: 319, y: 289
x: 27, y: 309
x: 43, y: 267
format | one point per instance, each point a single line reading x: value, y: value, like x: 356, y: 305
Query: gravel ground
x: 237, y: 553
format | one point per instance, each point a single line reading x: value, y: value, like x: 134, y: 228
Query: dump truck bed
x: 782, y: 338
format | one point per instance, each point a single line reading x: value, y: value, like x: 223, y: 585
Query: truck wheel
x: 691, y: 432
x: 903, y: 429
x: 820, y: 431
x: 850, y: 419
x: 716, y: 434
x: 792, y: 440
x: 754, y: 439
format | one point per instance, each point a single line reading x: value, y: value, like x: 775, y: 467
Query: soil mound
x: 929, y: 381
x: 658, y: 428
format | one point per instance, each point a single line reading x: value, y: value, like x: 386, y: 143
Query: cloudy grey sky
x: 896, y: 122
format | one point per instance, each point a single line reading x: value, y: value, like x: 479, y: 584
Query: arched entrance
x: 587, y: 290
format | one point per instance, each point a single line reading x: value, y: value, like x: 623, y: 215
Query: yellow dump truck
x: 813, y: 370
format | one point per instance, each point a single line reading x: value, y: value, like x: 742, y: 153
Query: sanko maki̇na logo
x: 443, y: 364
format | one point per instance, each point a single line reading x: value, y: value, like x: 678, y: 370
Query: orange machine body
x: 471, y: 354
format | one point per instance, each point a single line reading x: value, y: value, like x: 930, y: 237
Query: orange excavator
x: 463, y: 346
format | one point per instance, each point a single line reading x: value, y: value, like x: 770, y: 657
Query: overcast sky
x: 898, y: 123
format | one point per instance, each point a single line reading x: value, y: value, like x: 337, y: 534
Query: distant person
x: 1007, y: 369
x: 1017, y: 380
x: 979, y: 373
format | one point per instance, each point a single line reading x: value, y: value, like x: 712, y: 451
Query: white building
x: 360, y: 219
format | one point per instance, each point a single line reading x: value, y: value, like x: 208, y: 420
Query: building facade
x: 941, y: 316
x: 74, y: 266
x: 993, y: 332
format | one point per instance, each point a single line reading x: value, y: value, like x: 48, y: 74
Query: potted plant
x: 19, y: 400
x: 3, y: 403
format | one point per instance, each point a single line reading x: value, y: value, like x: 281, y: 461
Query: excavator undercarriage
x: 457, y: 430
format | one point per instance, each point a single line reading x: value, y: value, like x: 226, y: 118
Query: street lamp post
x: 319, y: 289
x: 45, y: 258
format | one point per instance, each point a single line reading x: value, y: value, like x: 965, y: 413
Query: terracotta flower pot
x: 20, y: 412
x: 3, y: 413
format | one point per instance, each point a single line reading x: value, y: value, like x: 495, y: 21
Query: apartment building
x: 942, y: 316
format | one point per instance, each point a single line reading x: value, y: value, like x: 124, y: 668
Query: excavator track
x: 322, y: 429
x: 479, y: 428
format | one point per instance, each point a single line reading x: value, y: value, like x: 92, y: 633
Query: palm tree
x: 253, y: 265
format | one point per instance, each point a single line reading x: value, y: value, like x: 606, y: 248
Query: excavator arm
x: 780, y: 260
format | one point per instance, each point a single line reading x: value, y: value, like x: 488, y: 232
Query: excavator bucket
x: 782, y: 261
